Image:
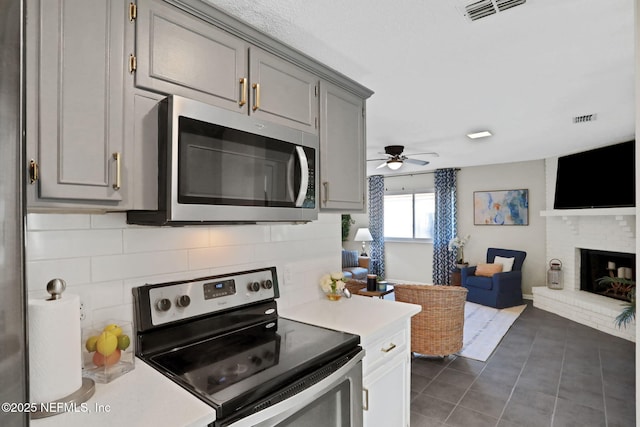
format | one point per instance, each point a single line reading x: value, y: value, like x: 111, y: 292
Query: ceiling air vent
x: 484, y: 8
x: 480, y: 9
x: 585, y: 118
x: 508, y: 4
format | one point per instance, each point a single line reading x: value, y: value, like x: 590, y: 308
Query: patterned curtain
x: 376, y: 223
x: 445, y: 225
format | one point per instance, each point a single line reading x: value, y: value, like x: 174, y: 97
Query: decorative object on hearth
x: 333, y: 285
x: 457, y: 244
x: 554, y: 274
x: 363, y: 235
x: 618, y: 286
x: 505, y: 207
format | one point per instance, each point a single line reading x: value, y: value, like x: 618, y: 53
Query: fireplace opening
x: 595, y: 264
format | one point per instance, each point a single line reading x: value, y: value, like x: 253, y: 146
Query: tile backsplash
x: 101, y: 257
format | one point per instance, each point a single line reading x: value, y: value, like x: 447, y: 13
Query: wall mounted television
x: 599, y: 178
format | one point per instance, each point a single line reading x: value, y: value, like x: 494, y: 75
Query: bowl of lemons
x: 107, y: 351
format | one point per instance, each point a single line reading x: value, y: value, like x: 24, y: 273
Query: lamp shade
x: 363, y: 235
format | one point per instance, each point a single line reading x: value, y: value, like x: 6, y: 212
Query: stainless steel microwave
x: 220, y: 166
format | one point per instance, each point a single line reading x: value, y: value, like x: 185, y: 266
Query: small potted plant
x: 457, y: 244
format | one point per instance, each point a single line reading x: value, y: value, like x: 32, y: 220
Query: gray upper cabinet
x: 95, y: 71
x: 342, y: 150
x: 282, y: 92
x: 179, y: 53
x: 75, y: 62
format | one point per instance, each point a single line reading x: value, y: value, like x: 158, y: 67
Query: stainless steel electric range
x: 221, y: 338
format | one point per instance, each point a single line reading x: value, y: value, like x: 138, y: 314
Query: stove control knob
x: 267, y: 284
x: 163, y: 304
x: 183, y: 301
x: 254, y: 286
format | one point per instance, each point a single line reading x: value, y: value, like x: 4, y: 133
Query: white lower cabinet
x: 386, y: 378
x: 384, y: 394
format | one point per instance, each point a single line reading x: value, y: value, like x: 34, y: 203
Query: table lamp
x: 363, y: 235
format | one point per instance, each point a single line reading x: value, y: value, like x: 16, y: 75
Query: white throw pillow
x: 507, y: 263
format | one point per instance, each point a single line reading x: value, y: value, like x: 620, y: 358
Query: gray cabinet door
x: 282, y: 92
x: 342, y: 150
x: 178, y: 53
x: 75, y: 72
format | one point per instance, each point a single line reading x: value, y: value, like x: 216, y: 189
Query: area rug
x: 484, y: 328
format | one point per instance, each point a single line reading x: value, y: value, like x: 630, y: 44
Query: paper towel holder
x: 56, y: 287
x: 74, y: 401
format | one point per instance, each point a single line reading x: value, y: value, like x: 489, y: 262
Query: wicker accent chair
x: 438, y: 329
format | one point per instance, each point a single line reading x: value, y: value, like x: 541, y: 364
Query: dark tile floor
x: 547, y: 371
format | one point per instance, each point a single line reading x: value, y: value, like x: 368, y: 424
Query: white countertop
x: 358, y: 315
x: 142, y: 397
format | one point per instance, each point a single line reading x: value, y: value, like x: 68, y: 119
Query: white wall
x: 529, y: 238
x: 101, y: 257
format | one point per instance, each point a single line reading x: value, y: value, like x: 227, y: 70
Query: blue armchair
x: 501, y: 290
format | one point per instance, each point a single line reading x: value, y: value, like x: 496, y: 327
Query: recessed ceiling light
x: 477, y: 135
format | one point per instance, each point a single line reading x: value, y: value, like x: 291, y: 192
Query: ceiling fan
x: 395, y: 158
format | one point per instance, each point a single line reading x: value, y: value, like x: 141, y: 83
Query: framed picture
x: 503, y: 207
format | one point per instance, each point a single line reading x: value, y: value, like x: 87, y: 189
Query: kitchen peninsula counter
x: 359, y: 315
x: 142, y: 397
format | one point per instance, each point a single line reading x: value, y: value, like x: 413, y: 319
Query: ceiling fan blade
x: 376, y: 160
x: 433, y: 153
x: 382, y: 165
x: 417, y: 162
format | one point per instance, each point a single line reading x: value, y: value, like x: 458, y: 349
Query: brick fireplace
x: 616, y: 267
x: 571, y: 234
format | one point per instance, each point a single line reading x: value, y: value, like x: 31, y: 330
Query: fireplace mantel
x: 589, y: 212
x: 571, y: 217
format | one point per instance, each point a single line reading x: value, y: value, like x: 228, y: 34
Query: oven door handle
x: 304, y: 176
x: 280, y: 411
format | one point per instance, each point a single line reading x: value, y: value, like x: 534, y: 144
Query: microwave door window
x: 234, y: 168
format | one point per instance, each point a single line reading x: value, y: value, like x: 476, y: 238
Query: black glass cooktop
x: 238, y: 368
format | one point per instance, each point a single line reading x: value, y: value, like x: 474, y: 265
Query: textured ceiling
x: 523, y: 73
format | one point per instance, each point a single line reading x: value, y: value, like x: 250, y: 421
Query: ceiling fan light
x: 476, y: 135
x: 394, y: 165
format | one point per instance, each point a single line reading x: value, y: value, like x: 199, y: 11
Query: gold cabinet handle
x: 117, y: 157
x: 365, y: 399
x: 388, y: 349
x: 326, y: 192
x: 33, y: 171
x: 256, y: 96
x: 243, y: 91
x: 133, y: 63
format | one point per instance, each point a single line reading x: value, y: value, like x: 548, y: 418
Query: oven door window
x: 223, y: 166
x: 331, y: 409
x: 335, y: 407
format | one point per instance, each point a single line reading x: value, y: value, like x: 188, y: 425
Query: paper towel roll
x: 55, y: 358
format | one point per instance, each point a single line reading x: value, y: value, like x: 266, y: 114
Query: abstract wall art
x: 502, y: 207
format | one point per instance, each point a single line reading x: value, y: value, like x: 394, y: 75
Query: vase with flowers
x: 457, y: 244
x: 333, y: 285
